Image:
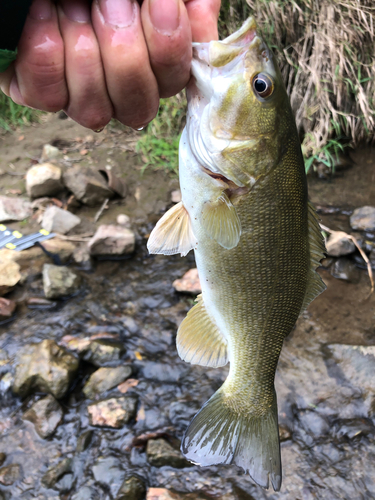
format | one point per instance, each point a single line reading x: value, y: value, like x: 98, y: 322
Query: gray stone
x: 57, y: 220
x: 7, y: 308
x: 45, y: 367
x: 133, y: 488
x: 104, y: 379
x: 10, y: 474
x: 9, y: 276
x: 160, y: 453
x: 108, y: 472
x: 49, y: 152
x: 14, y: 208
x: 103, y: 351
x: 86, y: 493
x: 43, y: 180
x: 87, y: 185
x: 363, y: 219
x: 113, y: 412
x: 84, y: 441
x: 59, y: 281
x: 56, y: 472
x: 345, y: 269
x: 112, y: 240
x: 46, y: 414
x: 339, y: 244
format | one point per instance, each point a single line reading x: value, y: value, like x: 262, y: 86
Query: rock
x: 102, y: 351
x: 112, y: 240
x: 127, y: 385
x: 363, y: 219
x: 163, y: 494
x: 7, y: 308
x: 76, y: 344
x: 59, y: 281
x: 160, y: 453
x: 43, y: 180
x: 2, y: 458
x: 14, y: 208
x: 10, y: 474
x: 339, y: 244
x: 86, y: 493
x: 56, y: 472
x: 84, y: 441
x: 45, y: 367
x: 104, y: 379
x: 57, y: 220
x: 189, y: 283
x: 345, y: 269
x: 314, y: 424
x: 108, y: 472
x: 64, y: 249
x: 6, y: 382
x: 46, y: 414
x: 66, y: 483
x: 87, y: 185
x: 176, y: 196
x: 49, y: 152
x: 123, y: 220
x: 9, y: 275
x: 82, y: 257
x: 133, y: 488
x: 113, y: 412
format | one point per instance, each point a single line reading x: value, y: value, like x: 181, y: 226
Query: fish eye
x: 262, y: 85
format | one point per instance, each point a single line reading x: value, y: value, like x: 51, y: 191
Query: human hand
x: 113, y: 58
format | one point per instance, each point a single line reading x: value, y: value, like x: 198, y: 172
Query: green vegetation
x: 13, y: 115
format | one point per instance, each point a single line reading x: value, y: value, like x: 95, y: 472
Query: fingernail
x: 41, y: 10
x: 165, y: 15
x: 78, y: 12
x: 118, y: 13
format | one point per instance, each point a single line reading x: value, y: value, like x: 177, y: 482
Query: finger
x: 6, y: 78
x: 131, y: 84
x: 203, y: 16
x: 168, y: 35
x: 89, y: 103
x: 39, y: 79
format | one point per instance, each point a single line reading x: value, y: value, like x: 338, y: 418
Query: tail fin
x: 218, y: 435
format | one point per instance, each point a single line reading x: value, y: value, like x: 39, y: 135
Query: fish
x: 257, y: 242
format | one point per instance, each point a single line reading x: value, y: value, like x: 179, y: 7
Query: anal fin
x: 199, y: 341
x: 173, y: 233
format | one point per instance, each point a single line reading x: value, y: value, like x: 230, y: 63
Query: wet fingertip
x: 15, y: 93
x: 41, y: 10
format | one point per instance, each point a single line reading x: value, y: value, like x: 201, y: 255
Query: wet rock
x: 84, y: 441
x: 112, y: 240
x: 46, y: 414
x: 285, y: 433
x: 86, y: 493
x: 163, y: 494
x: 339, y: 244
x: 104, y: 379
x: 345, y: 269
x: 49, y: 152
x: 59, y: 281
x: 189, y: 283
x: 133, y: 488
x: 87, y: 185
x: 76, y: 344
x: 163, y: 372
x: 9, y: 275
x: 82, y: 257
x: 10, y: 474
x: 102, y: 351
x: 127, y: 385
x: 123, y: 220
x: 65, y: 484
x: 6, y: 382
x: 352, y: 428
x: 46, y: 367
x: 39, y: 303
x: 113, y: 412
x: 181, y: 412
x: 160, y: 453
x: 313, y: 423
x: 108, y: 472
x: 14, y: 209
x: 176, y: 196
x: 43, y: 180
x: 56, y: 472
x: 363, y: 219
x: 57, y: 220
x: 64, y: 249
x: 2, y: 458
x: 7, y: 308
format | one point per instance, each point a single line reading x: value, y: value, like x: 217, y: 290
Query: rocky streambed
x: 94, y: 398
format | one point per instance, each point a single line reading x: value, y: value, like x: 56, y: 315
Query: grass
x: 13, y: 115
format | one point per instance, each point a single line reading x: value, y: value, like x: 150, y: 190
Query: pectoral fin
x: 199, y: 341
x: 221, y: 223
x: 173, y: 233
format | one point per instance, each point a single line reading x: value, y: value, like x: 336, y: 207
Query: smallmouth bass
x: 257, y: 243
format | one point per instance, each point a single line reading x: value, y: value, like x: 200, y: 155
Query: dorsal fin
x: 173, y: 233
x: 220, y: 222
x: 199, y: 341
x: 315, y: 284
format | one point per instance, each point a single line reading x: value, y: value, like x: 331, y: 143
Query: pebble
x: 84, y: 441
x: 133, y: 488
x: 14, y: 209
x: 339, y: 244
x: 49, y: 152
x: 160, y: 453
x: 176, y: 196
x: 363, y: 219
x: 112, y: 412
x: 104, y: 379
x: 57, y: 220
x: 45, y: 367
x: 87, y: 185
x: 162, y: 494
x: 9, y: 275
x: 6, y: 382
x: 59, y: 281
x: 56, y: 472
x: 7, y: 308
x: 10, y: 474
x: 102, y: 351
x: 345, y: 269
x: 123, y: 220
x: 108, y: 472
x: 46, y: 414
x: 112, y: 240
x: 189, y: 283
x: 43, y: 180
